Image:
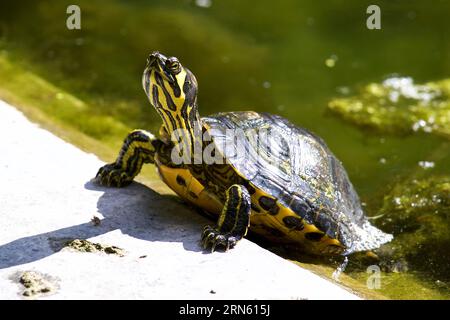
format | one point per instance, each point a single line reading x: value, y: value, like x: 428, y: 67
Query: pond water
x: 287, y: 57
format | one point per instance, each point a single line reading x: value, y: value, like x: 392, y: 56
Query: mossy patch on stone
x: 35, y: 284
x: 82, y: 245
x: 399, y: 106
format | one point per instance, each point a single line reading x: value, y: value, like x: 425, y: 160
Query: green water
x: 287, y: 57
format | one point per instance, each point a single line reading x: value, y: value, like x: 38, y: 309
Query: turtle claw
x: 214, y: 238
x: 208, y: 233
x: 111, y: 175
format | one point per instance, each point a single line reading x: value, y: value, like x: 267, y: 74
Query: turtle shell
x: 298, y: 169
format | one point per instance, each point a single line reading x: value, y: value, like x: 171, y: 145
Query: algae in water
x: 399, y: 106
x: 417, y: 212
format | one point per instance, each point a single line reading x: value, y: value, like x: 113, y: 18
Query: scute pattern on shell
x: 298, y: 169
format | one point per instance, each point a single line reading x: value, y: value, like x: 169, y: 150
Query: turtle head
x: 172, y: 90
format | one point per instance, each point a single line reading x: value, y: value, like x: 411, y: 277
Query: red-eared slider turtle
x: 284, y: 184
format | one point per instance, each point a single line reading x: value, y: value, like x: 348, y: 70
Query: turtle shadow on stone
x: 142, y: 213
x: 135, y: 210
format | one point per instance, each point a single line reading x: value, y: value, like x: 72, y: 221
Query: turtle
x: 261, y: 173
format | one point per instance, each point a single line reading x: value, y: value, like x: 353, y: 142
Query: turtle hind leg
x: 233, y: 222
x: 139, y: 147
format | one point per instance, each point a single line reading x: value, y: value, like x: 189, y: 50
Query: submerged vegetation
x: 399, y: 106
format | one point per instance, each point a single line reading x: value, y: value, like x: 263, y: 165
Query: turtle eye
x: 174, y: 65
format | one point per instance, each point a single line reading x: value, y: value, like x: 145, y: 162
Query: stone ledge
x: 47, y: 199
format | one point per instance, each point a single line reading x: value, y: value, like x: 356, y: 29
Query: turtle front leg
x: 233, y: 222
x: 138, y: 148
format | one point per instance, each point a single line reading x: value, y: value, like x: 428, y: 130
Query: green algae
x: 417, y: 212
x: 415, y: 264
x: 48, y: 74
x: 417, y: 202
x: 398, y: 106
x: 102, y: 63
